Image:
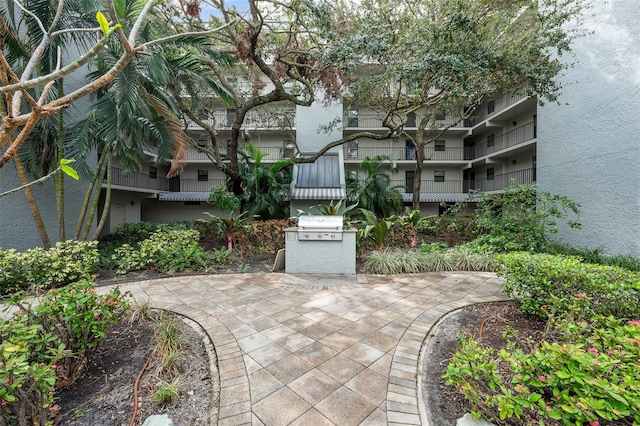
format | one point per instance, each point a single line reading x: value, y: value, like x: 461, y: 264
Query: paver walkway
x: 309, y: 350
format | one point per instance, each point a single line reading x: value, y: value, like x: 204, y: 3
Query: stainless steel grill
x: 316, y: 228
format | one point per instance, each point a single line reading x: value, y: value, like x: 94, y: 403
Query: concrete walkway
x: 318, y: 350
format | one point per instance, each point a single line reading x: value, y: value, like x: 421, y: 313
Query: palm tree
x: 265, y: 187
x: 42, y: 149
x: 374, y: 192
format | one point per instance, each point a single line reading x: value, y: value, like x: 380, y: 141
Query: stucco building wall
x: 589, y: 145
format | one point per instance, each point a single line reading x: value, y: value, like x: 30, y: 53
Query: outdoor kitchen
x: 320, y: 245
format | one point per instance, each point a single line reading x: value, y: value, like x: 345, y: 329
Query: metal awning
x: 184, y: 196
x: 442, y: 198
x: 318, y: 194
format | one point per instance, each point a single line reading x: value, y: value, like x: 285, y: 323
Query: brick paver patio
x: 318, y: 350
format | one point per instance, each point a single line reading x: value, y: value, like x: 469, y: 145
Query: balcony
x: 254, y: 120
x: 272, y: 153
x: 498, y: 143
x: 430, y: 186
x: 142, y: 181
x: 119, y: 177
x: 373, y: 120
x: 431, y: 153
x: 497, y: 105
x: 498, y: 182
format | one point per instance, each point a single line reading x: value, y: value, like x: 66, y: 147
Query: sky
x: 208, y: 10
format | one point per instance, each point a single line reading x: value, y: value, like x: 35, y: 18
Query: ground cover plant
x: 47, y: 345
x: 582, y: 371
x: 67, y: 262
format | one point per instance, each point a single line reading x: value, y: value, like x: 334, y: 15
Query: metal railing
x: 373, y: 120
x: 144, y: 181
x: 499, y: 182
x: 272, y: 153
x: 120, y: 177
x: 403, y: 153
x: 508, y: 139
x: 283, y: 119
x: 500, y: 103
x: 429, y: 186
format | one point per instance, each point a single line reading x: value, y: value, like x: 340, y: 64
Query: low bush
x: 596, y: 256
x: 587, y: 374
x: 68, y: 261
x: 451, y: 229
x: 538, y: 281
x: 47, y: 344
x: 263, y: 238
x: 165, y: 250
x: 408, y: 261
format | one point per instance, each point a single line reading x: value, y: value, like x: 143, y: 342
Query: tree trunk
x: 87, y: 197
x: 37, y: 217
x: 107, y: 202
x: 95, y: 198
x: 59, y: 179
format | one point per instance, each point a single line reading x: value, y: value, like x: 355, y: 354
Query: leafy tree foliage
x: 374, y: 192
x: 429, y: 59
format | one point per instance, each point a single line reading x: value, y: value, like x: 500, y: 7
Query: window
x: 352, y: 149
x: 490, y: 173
x: 408, y: 180
x: 231, y: 116
x: 153, y: 173
x: 411, y: 119
x: 491, y: 140
x: 203, y: 175
x: 491, y: 106
x: 410, y: 150
x: 352, y: 116
x: 439, y: 145
x: 438, y: 176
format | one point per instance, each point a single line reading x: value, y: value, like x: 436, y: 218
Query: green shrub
x: 130, y: 233
x: 520, y: 219
x: 588, y: 375
x: 166, y: 250
x: 407, y: 261
x: 26, y: 385
x: 596, y: 256
x: 540, y: 280
x: 47, y: 344
x: 68, y: 261
x: 76, y: 316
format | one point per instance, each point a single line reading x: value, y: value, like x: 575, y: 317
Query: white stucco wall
x: 308, y: 121
x: 589, y: 149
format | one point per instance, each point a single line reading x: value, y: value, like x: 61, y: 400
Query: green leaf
x: 102, y: 21
x: 68, y: 170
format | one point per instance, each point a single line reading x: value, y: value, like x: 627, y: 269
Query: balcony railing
x: 144, y: 181
x: 499, y: 104
x: 429, y: 186
x: 284, y: 119
x: 403, y: 153
x: 272, y: 153
x: 138, y: 180
x: 506, y: 140
x: 373, y: 120
x: 498, y: 182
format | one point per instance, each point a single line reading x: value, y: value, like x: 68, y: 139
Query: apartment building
x: 493, y: 149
